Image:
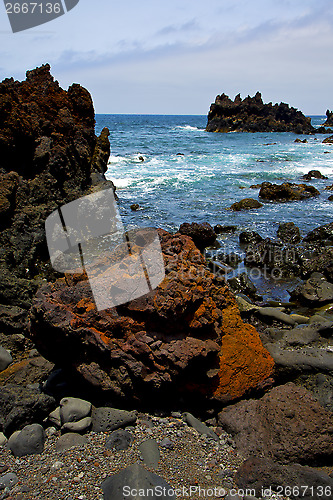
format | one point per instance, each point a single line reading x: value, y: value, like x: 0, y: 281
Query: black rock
x: 320, y: 234
x: 288, y: 232
x: 247, y: 237
x: 203, y: 234
x: 20, y: 406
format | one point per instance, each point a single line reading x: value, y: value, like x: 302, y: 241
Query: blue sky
x: 175, y: 56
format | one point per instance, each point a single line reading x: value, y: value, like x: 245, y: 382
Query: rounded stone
x: 74, y: 409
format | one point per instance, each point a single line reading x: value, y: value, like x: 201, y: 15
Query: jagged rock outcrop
x: 252, y: 115
x: 185, y: 339
x: 49, y: 155
x: 329, y: 119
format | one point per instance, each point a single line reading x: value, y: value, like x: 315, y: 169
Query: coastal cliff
x: 252, y: 115
x: 49, y: 156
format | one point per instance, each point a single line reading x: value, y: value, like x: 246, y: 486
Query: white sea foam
x: 186, y: 127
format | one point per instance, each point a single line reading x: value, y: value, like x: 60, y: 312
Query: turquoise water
x: 212, y: 172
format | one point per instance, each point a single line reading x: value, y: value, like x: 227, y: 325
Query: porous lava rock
x: 185, y: 338
x: 49, y: 156
x: 287, y: 425
x: 252, y: 115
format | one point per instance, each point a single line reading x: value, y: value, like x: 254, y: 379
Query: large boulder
x: 252, y: 115
x: 293, y: 481
x: 287, y: 425
x: 246, y: 204
x: 287, y: 191
x: 186, y: 337
x: 202, y: 234
x: 49, y: 156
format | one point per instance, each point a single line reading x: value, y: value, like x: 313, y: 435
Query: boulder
x: 109, y: 419
x: 219, y: 229
x: 314, y: 174
x: 328, y: 140
x: 135, y: 479
x: 315, y: 291
x: 203, y: 234
x: 320, y: 234
x: 288, y: 232
x: 20, y: 406
x: 287, y: 191
x: 249, y: 237
x: 27, y: 371
x: 49, y: 155
x: 186, y: 337
x: 29, y: 441
x: 287, y: 425
x: 74, y: 409
x: 246, y: 204
x: 293, y: 481
x: 252, y: 115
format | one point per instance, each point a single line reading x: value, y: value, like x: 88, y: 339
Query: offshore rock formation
x: 49, y: 155
x: 252, y: 115
x: 185, y: 339
x: 329, y: 119
x: 287, y: 191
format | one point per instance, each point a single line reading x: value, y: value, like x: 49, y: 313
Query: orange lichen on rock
x: 244, y: 362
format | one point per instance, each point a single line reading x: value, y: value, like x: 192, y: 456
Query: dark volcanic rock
x: 314, y: 174
x: 246, y: 204
x: 294, y: 481
x: 287, y: 425
x: 185, y: 337
x: 49, y: 155
x: 316, y: 290
x: 29, y: 441
x: 20, y: 406
x: 252, y: 115
x: 328, y: 140
x: 288, y: 232
x: 248, y: 237
x: 329, y: 119
x: 203, y: 234
x: 320, y: 234
x: 287, y: 192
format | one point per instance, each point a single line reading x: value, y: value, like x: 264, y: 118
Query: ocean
x: 190, y: 175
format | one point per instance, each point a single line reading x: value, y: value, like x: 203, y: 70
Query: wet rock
x: 219, y: 229
x: 185, y: 338
x: 294, y: 481
x: 287, y: 425
x: 150, y: 453
x: 249, y: 237
x: 29, y: 441
x: 5, y: 358
x: 119, y: 440
x: 246, y: 204
x: 320, y: 234
x: 203, y: 234
x: 135, y: 207
x: 316, y: 290
x: 20, y: 406
x: 70, y: 440
x: 288, y: 232
x: 329, y: 119
x: 304, y: 141
x: 252, y: 115
x: 314, y: 174
x: 242, y: 284
x: 135, y: 477
x: 109, y: 419
x: 232, y: 258
x: 328, y: 140
x: 287, y: 192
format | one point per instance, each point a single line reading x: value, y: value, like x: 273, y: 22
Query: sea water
x: 190, y: 175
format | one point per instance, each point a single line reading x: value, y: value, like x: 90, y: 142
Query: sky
x: 175, y: 56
